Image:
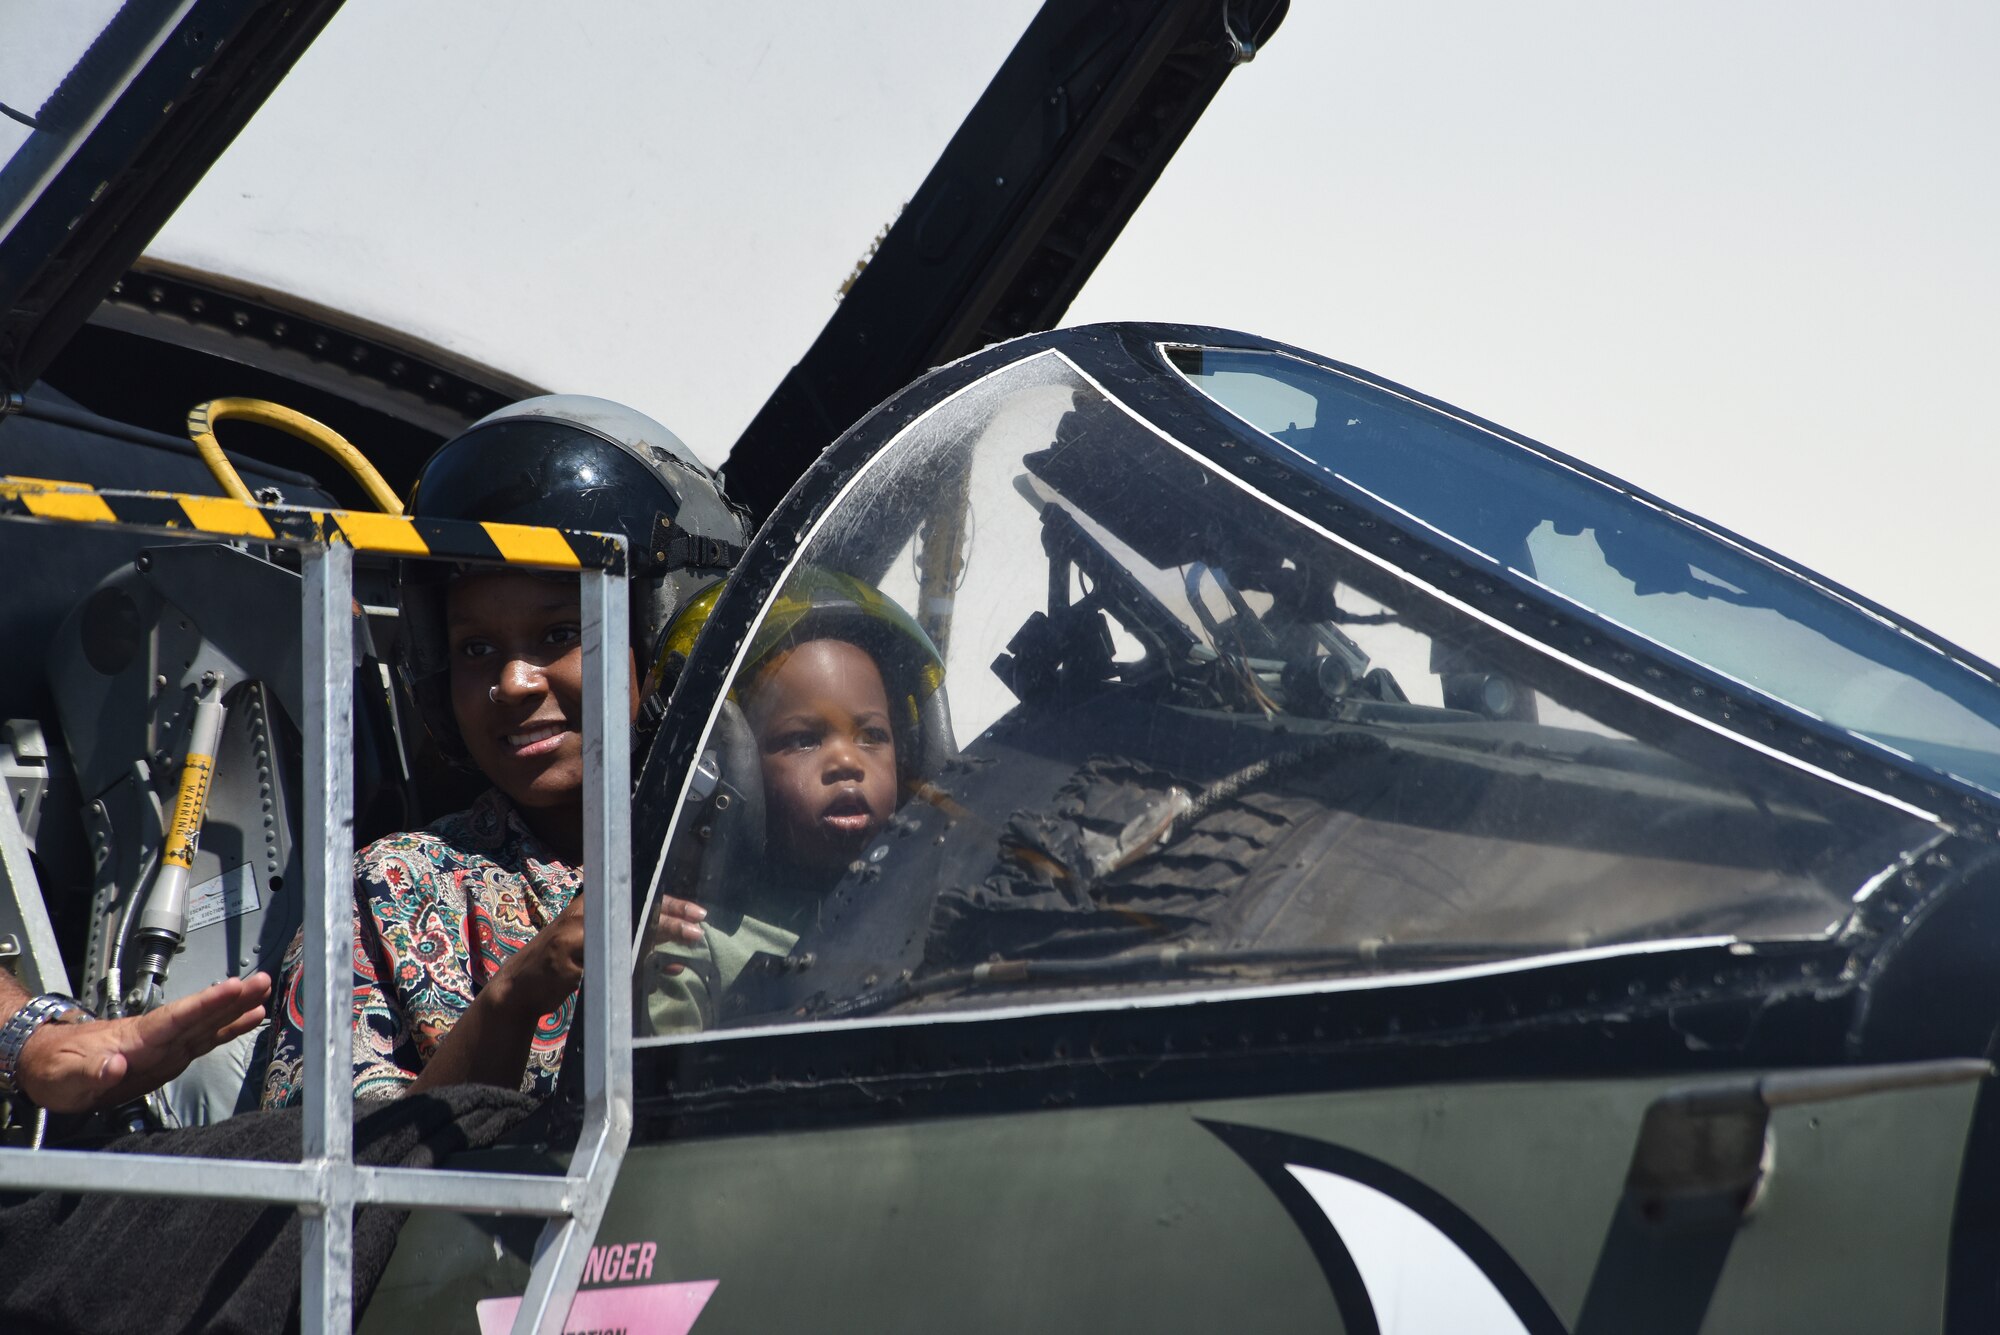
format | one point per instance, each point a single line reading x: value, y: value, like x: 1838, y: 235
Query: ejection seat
x: 133, y: 669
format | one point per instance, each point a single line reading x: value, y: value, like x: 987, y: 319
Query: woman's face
x: 821, y: 718
x: 517, y: 683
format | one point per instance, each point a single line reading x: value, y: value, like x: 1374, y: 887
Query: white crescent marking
x: 1417, y: 1278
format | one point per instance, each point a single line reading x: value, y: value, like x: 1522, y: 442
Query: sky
x: 1740, y: 254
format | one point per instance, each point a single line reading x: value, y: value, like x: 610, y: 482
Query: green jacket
x: 688, y: 1001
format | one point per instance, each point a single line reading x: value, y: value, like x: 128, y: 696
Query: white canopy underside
x: 1739, y: 255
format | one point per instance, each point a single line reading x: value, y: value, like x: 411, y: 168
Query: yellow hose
x: 200, y: 425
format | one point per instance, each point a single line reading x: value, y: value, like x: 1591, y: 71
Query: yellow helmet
x: 816, y: 604
x: 678, y: 642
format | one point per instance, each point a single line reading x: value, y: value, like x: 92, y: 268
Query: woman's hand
x: 541, y: 975
x: 489, y: 1043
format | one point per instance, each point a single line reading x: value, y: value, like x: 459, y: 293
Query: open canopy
x: 113, y: 112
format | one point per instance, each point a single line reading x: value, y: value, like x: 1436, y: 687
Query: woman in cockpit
x: 469, y: 933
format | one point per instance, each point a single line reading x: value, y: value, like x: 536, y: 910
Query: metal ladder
x: 326, y: 1184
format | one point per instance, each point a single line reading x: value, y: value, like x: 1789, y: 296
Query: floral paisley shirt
x: 436, y: 912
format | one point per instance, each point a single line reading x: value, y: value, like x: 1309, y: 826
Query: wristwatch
x: 21, y: 1026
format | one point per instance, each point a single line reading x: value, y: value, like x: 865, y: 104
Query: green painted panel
x: 1140, y: 1219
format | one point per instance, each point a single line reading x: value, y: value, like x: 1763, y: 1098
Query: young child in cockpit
x: 821, y: 707
x: 820, y: 714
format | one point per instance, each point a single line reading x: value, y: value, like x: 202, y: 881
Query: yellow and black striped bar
x: 174, y: 514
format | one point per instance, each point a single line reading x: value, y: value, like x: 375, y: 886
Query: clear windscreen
x: 1050, y: 711
x: 1623, y: 560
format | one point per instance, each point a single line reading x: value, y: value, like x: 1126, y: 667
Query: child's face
x: 821, y: 718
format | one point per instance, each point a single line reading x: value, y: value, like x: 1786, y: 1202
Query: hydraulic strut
x: 163, y: 922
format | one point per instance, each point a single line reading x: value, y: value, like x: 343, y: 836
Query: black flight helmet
x: 576, y: 462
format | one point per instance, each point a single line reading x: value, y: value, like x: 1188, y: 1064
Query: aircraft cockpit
x: 1238, y: 669
x: 1239, y: 840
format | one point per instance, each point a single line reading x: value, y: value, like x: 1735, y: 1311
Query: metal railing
x: 326, y: 1185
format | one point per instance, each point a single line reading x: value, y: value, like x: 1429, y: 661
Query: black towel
x: 105, y: 1265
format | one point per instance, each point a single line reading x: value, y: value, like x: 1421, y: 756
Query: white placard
x: 219, y: 898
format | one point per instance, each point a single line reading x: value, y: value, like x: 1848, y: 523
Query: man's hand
x: 102, y: 1063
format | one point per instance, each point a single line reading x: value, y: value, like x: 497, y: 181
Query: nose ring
x: 493, y: 694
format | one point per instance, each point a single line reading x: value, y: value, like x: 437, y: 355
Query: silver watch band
x: 21, y: 1026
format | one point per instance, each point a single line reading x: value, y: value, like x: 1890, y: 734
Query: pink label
x: 636, y: 1309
